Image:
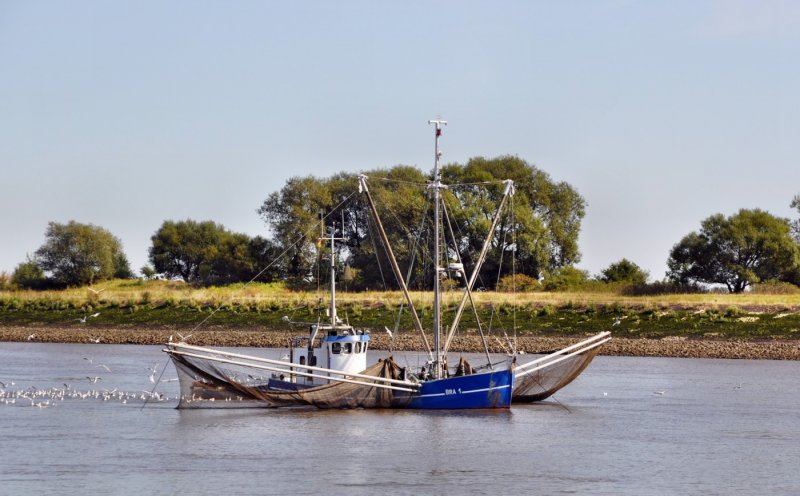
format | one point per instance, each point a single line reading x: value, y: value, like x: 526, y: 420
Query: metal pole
x: 362, y: 181
x: 523, y: 373
x: 333, y: 278
x: 437, y: 310
x: 509, y: 191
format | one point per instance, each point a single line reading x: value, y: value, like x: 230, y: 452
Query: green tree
x: 147, y: 271
x: 28, y: 275
x: 77, y: 254
x: 624, y: 271
x: 795, y: 224
x: 207, y: 253
x: 186, y: 248
x: 736, y: 251
x: 546, y: 220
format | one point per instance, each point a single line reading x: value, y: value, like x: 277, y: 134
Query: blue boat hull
x: 482, y: 390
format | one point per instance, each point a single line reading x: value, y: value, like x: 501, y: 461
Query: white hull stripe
x: 465, y: 392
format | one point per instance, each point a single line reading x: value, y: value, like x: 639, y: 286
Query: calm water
x: 720, y: 427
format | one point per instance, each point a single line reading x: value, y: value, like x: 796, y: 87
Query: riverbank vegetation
x: 764, y: 313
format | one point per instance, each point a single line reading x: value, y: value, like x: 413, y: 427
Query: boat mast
x: 437, y: 304
x: 333, y: 276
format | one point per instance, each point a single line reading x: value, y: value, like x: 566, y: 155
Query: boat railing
x: 563, y: 354
x: 271, y: 365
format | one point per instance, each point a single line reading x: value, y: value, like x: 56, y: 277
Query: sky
x: 125, y: 114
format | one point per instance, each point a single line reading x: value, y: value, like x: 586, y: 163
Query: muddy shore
x: 665, y: 347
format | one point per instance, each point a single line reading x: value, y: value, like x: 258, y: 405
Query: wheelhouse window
x: 336, y: 348
x: 348, y: 347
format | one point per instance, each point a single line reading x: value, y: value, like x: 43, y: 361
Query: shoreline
x: 671, y: 346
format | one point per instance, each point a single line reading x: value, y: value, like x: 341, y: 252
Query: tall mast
x: 437, y: 269
x: 333, y: 276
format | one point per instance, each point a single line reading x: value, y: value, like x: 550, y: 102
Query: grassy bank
x: 171, y: 305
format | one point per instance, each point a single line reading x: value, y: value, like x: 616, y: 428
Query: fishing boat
x: 328, y: 368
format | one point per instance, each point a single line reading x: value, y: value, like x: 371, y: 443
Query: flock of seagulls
x: 47, y: 398
x: 51, y: 397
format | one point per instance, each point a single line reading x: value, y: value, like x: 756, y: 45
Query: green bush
x: 29, y: 275
x: 565, y: 279
x: 661, y: 288
x: 519, y: 283
x: 775, y: 287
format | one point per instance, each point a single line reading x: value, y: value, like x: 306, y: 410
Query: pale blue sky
x: 125, y: 114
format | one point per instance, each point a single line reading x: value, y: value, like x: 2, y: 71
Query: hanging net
x: 542, y: 383
x: 207, y: 384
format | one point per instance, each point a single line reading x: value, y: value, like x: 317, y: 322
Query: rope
x: 158, y: 381
x: 284, y: 252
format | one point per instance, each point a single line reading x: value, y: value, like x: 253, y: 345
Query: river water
x: 633, y: 426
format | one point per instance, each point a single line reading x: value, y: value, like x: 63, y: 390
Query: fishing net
x: 542, y: 383
x: 206, y: 383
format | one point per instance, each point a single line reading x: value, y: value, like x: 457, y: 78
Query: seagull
x: 3, y: 385
x: 88, y: 359
x: 184, y: 338
x: 153, y: 374
x: 94, y: 379
x: 617, y: 322
x: 389, y: 332
x: 104, y: 366
x: 31, y: 336
x: 83, y: 319
x: 96, y: 291
x: 97, y: 340
x: 660, y: 393
x: 285, y: 357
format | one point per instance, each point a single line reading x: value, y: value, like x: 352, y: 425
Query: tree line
x: 540, y: 232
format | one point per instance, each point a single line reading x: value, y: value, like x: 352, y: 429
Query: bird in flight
x: 153, y: 374
x: 96, y: 291
x: 83, y: 320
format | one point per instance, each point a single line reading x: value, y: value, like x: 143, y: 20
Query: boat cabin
x: 338, y: 348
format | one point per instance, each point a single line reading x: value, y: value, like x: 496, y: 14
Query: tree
x: 796, y: 223
x: 624, y: 271
x: 77, y: 254
x: 736, y: 251
x: 207, y: 253
x: 546, y: 220
x: 185, y: 249
x: 148, y: 272
x: 28, y: 275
